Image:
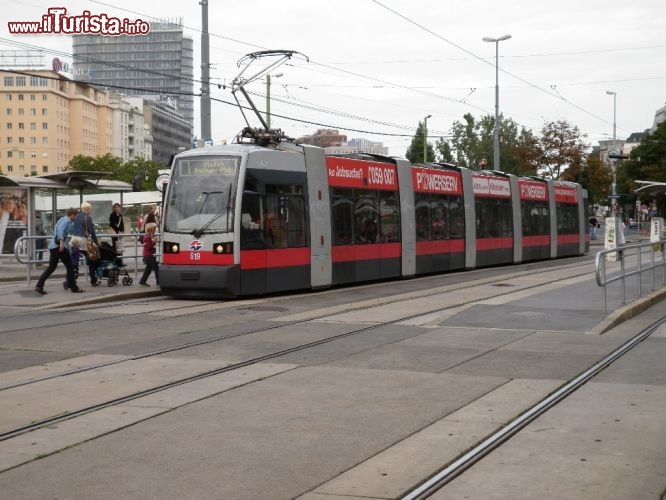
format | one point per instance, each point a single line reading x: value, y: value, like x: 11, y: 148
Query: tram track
x: 458, y: 466
x: 68, y: 415
x: 482, y: 449
x: 500, y: 282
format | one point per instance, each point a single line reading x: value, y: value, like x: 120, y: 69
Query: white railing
x: 634, y: 260
x: 26, y: 251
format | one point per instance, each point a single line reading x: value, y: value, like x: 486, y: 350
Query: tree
x: 594, y: 175
x: 647, y: 162
x: 132, y: 171
x: 559, y: 147
x: 465, y: 143
x: 471, y: 144
x: 415, y: 150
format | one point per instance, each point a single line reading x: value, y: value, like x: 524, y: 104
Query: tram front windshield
x: 201, y: 195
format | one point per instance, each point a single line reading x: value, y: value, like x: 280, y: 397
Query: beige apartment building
x: 46, y: 119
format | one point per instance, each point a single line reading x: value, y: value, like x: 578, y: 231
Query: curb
x: 627, y: 312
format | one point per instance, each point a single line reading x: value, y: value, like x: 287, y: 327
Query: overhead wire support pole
x: 205, y: 116
x: 496, y: 128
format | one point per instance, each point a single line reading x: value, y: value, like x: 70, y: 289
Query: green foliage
x: 415, y: 150
x: 559, y: 147
x: 594, y: 175
x: 119, y: 170
x: 471, y: 145
x: 647, y: 162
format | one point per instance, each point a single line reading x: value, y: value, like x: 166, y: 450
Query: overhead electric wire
x: 436, y: 35
x: 338, y: 70
x: 327, y: 66
x: 247, y: 108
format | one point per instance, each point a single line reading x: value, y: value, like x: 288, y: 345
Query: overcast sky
x: 382, y: 66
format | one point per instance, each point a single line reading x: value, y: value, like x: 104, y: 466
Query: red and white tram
x: 244, y: 219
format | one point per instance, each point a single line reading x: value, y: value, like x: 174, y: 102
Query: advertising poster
x: 13, y: 218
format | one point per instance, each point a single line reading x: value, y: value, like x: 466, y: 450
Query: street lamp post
x: 496, y: 145
x: 612, y: 160
x: 618, y: 227
x: 425, y: 138
x: 268, y: 98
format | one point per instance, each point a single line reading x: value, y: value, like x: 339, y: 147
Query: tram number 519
x: 195, y: 256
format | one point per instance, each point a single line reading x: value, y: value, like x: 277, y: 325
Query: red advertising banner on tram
x: 428, y: 180
x: 347, y: 172
x: 566, y: 194
x: 533, y: 190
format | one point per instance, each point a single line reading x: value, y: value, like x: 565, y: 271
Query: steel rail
x: 210, y: 373
x: 495, y: 440
x: 220, y: 338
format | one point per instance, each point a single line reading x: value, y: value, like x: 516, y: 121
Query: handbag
x: 91, y: 247
x: 119, y: 246
x: 93, y: 250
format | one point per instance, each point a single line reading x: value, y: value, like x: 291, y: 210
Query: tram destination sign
x: 208, y: 166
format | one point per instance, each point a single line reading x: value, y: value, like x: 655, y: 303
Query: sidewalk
x: 16, y: 291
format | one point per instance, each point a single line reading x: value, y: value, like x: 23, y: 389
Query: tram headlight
x: 170, y: 247
x: 225, y: 248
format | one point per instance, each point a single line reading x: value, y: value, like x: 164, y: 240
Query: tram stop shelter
x: 29, y: 206
x: 650, y: 187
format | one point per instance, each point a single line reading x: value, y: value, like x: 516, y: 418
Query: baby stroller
x: 110, y: 267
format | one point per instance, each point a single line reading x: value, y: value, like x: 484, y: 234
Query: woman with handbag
x: 85, y: 229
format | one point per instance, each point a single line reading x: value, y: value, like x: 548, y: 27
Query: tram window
x: 295, y: 221
x: 366, y: 217
x: 567, y: 218
x: 493, y: 218
x: 422, y: 215
x: 439, y: 217
x: 439, y: 220
x: 251, y: 235
x: 535, y: 218
x: 273, y: 221
x: 456, y: 217
x: 390, y: 217
x: 342, y: 215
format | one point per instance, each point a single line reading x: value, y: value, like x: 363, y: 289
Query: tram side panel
x: 494, y: 220
x: 319, y: 203
x: 275, y: 252
x: 517, y: 220
x: 583, y: 210
x: 535, y: 219
x: 407, y: 226
x: 439, y: 219
x: 569, y: 234
x: 365, y: 220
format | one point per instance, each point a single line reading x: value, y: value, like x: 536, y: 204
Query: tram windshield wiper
x: 198, y: 232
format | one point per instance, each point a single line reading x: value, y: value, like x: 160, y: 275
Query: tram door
x: 274, y: 245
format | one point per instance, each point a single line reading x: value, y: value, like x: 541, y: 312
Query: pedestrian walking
x: 59, y: 251
x: 84, y: 228
x: 149, y: 259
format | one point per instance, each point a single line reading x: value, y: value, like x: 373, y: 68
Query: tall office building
x: 160, y: 62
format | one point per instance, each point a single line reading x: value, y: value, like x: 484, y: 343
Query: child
x: 75, y: 255
x: 149, y: 258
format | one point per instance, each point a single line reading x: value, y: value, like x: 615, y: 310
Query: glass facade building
x: 159, y: 63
